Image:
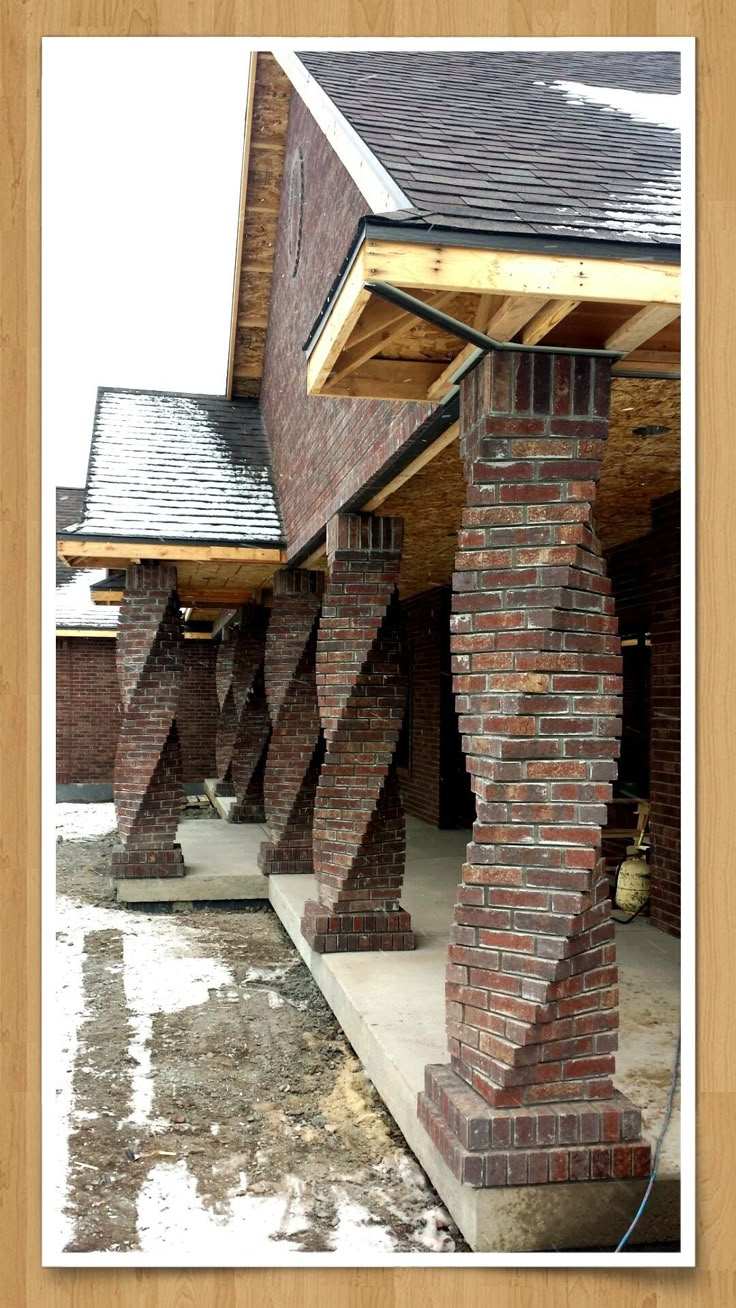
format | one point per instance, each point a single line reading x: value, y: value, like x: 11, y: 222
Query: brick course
x: 532, y: 999
x: 359, y: 831
x: 664, y: 569
x: 88, y: 709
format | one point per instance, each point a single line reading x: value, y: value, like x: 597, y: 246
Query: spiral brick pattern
x: 359, y: 834
x: 244, y: 727
x: 532, y: 998
x: 148, y: 767
x: 296, y: 748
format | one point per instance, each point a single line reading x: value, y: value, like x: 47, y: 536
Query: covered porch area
x: 391, y: 1006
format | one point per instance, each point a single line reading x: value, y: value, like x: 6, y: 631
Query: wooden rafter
x: 380, y: 340
x: 642, y: 326
x: 551, y: 313
x: 484, y: 312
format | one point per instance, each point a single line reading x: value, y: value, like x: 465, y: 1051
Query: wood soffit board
x: 265, y: 163
x: 636, y: 470
x: 368, y: 347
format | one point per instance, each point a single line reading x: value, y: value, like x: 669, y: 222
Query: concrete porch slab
x: 391, y: 1007
x: 221, y: 803
x: 221, y: 863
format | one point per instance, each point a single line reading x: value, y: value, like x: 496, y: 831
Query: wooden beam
x: 497, y: 317
x: 388, y: 379
x: 642, y: 326
x: 648, y: 361
x: 100, y: 553
x: 252, y: 64
x: 508, y: 272
x: 109, y: 633
x: 343, y: 316
x: 421, y: 461
x: 548, y: 317
x: 515, y: 311
x: 104, y: 597
x: 351, y: 359
x: 317, y: 559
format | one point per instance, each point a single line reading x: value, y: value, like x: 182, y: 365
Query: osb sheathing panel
x: 431, y: 504
x: 636, y: 470
x: 263, y: 191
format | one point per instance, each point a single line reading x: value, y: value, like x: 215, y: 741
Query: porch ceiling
x: 211, y: 577
x: 636, y: 470
x: 368, y: 347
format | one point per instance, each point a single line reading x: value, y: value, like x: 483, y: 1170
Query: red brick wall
x: 87, y: 709
x: 424, y: 617
x: 664, y: 569
x: 198, y: 710
x: 323, y: 450
x: 88, y: 713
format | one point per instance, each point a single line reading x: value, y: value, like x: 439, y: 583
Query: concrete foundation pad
x: 221, y: 862
x: 391, y: 1008
x: 221, y: 803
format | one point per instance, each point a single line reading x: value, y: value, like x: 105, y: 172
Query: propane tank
x: 632, y: 881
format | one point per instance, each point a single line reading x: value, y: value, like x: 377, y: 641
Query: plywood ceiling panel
x: 636, y: 470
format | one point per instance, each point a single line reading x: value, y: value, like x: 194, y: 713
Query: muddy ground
x: 211, y: 1100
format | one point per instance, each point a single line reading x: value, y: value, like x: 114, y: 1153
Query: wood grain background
x: 22, y: 1282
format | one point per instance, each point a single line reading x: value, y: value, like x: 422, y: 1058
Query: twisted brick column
x: 297, y: 747
x: 244, y: 726
x: 532, y: 999
x: 359, y: 836
x: 148, y: 770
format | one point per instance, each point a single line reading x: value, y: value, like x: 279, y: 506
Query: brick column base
x: 148, y: 862
x: 534, y: 1145
x: 340, y: 933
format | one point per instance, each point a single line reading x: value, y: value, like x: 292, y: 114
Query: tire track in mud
x: 102, y: 1193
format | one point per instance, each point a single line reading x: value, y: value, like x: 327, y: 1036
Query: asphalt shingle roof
x: 180, y: 468
x: 73, y: 607
x: 525, y: 143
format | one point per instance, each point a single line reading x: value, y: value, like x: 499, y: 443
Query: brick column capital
x: 363, y: 536
x: 289, y: 583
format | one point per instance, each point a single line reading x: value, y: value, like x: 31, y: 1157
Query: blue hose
x: 657, y: 1151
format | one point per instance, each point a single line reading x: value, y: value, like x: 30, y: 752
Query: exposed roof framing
x: 263, y: 162
x: 365, y: 349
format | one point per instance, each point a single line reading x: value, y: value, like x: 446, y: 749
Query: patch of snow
x: 84, y: 821
x: 268, y: 973
x: 275, y: 1000
x: 215, y: 1128
x: 356, y: 1233
x: 172, y: 1217
x: 642, y: 106
x: 435, y: 1236
x: 161, y: 973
